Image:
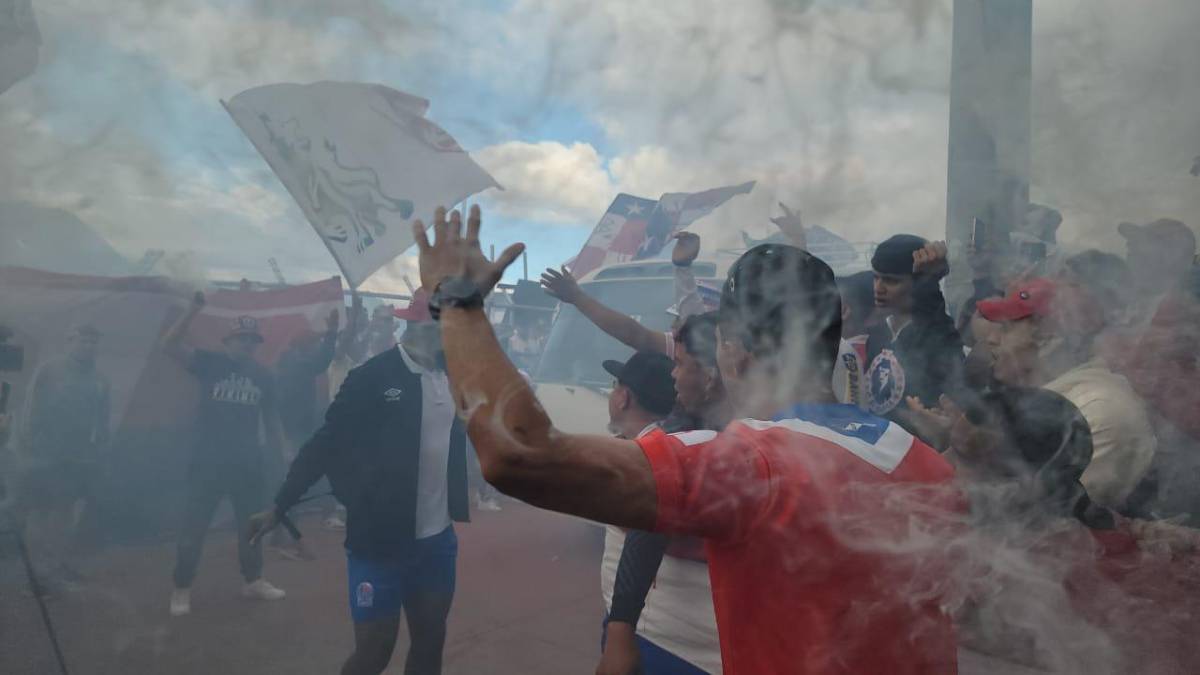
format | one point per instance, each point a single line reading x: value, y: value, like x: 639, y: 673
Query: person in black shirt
x: 915, y: 352
x: 308, y: 356
x: 237, y: 396
x: 67, y: 429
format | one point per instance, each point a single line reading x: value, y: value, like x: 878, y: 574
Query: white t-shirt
x: 1123, y: 441
x: 848, y: 371
x: 437, y: 418
x: 679, y: 614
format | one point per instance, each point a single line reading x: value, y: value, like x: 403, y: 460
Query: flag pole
x: 311, y: 219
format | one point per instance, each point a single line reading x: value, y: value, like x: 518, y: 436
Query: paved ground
x: 527, y: 602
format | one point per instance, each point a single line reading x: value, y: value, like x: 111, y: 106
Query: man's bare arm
x: 622, y: 327
x: 604, y: 479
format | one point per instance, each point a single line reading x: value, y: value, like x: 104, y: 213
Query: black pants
x: 204, y: 492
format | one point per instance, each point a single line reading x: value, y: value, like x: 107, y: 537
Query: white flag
x: 362, y: 162
x: 19, y: 42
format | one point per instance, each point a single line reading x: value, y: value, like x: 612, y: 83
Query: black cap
x: 895, y: 255
x: 1051, y: 440
x: 648, y: 376
x: 776, y: 294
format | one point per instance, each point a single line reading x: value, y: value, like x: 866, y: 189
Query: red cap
x: 1033, y: 297
x: 418, y: 308
x: 1072, y: 307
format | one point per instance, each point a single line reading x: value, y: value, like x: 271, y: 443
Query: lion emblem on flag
x: 348, y: 200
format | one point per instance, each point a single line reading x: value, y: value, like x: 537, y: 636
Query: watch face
x: 455, y: 292
x: 459, y: 288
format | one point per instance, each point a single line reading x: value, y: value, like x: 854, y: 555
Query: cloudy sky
x: 838, y: 107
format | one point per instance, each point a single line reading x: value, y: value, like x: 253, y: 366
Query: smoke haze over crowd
x: 837, y: 108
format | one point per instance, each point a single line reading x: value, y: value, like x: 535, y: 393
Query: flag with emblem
x: 362, y: 162
x: 635, y: 228
x: 19, y: 42
x: 676, y: 210
x: 617, y: 236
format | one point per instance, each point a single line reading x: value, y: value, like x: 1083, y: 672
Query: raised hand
x: 561, y: 284
x: 687, y: 248
x: 453, y: 255
x: 792, y: 226
x: 933, y: 424
x: 931, y: 259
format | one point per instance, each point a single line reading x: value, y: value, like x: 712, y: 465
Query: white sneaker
x: 334, y: 522
x: 489, y: 505
x: 262, y: 590
x: 181, y: 602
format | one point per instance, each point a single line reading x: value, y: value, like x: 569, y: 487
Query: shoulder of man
x: 375, y: 369
x: 382, y: 361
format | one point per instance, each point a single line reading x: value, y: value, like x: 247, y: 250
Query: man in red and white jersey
x: 813, y: 513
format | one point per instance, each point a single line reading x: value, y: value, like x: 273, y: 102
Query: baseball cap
x: 774, y: 289
x: 245, y: 325
x: 1166, y: 232
x: 1070, y: 305
x: 1033, y: 297
x: 417, y: 310
x: 648, y: 376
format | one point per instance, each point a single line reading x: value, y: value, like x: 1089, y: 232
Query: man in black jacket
x: 395, y: 453
x: 915, y: 351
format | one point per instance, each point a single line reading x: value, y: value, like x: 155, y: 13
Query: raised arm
x: 521, y: 453
x: 319, y: 362
x: 172, y: 342
x: 687, y: 295
x: 792, y: 227
x: 624, y: 328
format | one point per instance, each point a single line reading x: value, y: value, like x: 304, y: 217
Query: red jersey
x: 812, y: 524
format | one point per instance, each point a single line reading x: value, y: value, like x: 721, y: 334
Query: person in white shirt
x: 1046, y: 340
x: 394, y: 451
x: 676, y: 633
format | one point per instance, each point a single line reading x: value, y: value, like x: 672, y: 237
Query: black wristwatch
x: 454, y: 292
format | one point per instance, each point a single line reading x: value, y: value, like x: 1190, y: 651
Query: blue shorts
x: 378, y: 587
x: 658, y: 661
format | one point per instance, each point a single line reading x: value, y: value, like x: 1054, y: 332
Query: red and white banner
x: 132, y: 313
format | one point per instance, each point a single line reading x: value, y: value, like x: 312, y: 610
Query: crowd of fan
x: 1062, y: 389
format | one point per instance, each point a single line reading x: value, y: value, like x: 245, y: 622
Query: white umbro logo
x: 392, y: 395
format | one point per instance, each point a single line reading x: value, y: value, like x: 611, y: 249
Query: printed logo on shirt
x: 236, y: 389
x: 392, y: 395
x: 885, y: 383
x: 364, y: 595
x: 853, y: 395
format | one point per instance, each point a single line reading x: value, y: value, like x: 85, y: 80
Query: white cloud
x: 547, y: 182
